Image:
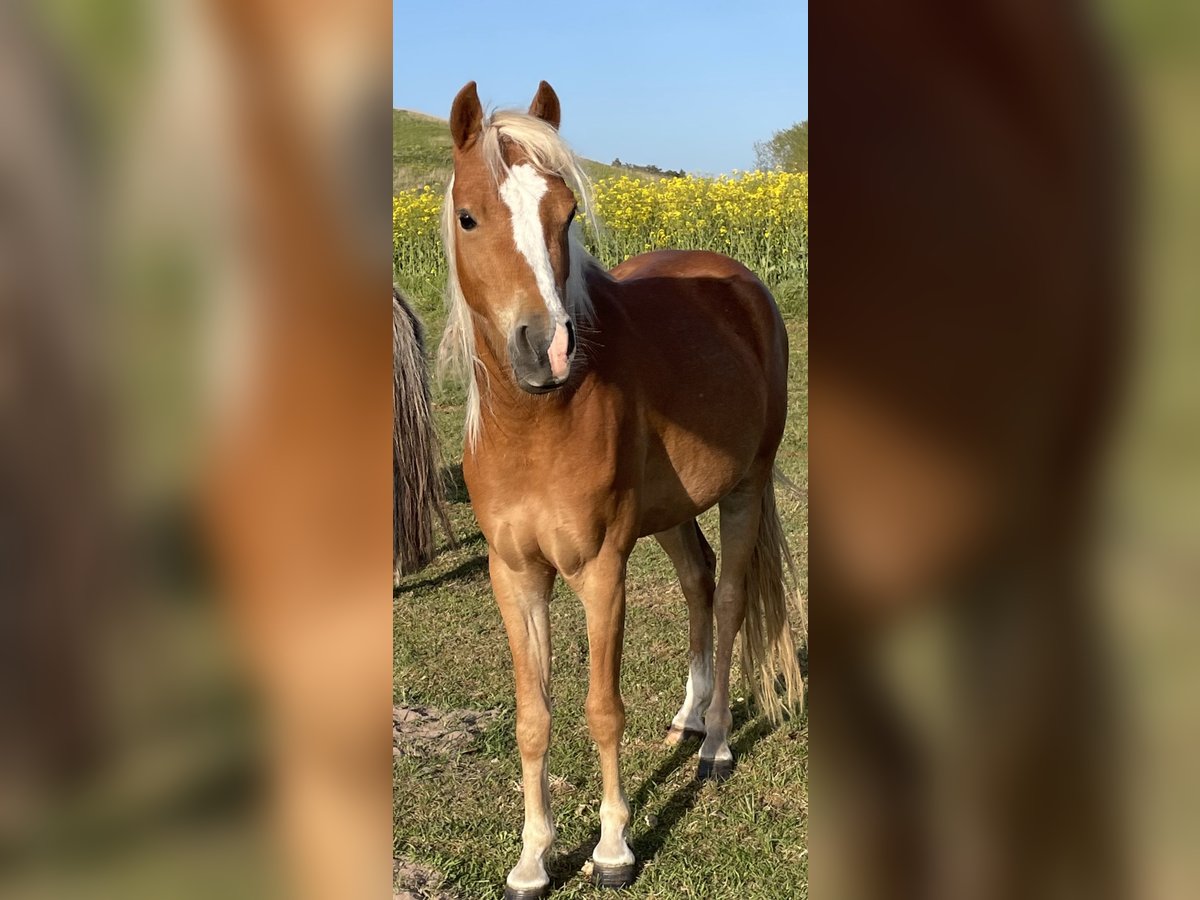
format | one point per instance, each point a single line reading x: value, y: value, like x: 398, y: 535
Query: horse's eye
x: 465, y: 220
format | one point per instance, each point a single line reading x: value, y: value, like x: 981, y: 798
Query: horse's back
x: 681, y: 264
x: 693, y: 291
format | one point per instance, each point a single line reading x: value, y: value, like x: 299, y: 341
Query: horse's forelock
x: 542, y: 146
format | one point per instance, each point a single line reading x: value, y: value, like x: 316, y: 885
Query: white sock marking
x: 699, y: 693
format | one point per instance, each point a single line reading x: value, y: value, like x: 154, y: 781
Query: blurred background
x: 1005, y: 466
x: 194, y: 412
x: 194, y: 471
x: 1150, y: 547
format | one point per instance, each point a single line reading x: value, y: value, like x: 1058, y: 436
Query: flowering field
x: 759, y: 218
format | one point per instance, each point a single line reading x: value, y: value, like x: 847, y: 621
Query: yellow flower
x: 760, y: 218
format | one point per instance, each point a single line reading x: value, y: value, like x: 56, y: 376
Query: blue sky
x: 677, y: 84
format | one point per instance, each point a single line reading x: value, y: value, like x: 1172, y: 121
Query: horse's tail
x: 419, y: 494
x: 769, y: 657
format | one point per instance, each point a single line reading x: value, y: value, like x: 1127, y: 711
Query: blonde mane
x: 550, y: 155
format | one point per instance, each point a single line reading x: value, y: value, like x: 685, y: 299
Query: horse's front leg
x: 601, y: 586
x: 524, y: 600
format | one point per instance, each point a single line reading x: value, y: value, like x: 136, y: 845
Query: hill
x: 421, y: 150
x: 422, y: 154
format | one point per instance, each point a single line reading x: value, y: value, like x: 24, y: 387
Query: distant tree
x: 787, y: 150
x: 649, y: 170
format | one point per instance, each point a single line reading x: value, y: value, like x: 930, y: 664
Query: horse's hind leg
x: 695, y: 564
x: 524, y: 601
x: 741, y: 510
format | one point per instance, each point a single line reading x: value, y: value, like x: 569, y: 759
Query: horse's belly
x: 685, y: 482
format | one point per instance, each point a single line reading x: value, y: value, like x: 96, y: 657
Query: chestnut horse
x: 603, y: 407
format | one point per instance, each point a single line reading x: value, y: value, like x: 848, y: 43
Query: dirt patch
x: 424, y: 731
x: 411, y: 881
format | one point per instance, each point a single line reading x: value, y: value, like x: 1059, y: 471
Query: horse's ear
x: 466, y: 116
x: 545, y: 105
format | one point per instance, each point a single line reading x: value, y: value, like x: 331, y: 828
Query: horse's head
x: 507, y: 219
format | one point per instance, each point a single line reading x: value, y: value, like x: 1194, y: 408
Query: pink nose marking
x: 558, y: 352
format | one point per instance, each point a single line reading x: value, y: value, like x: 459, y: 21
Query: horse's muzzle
x: 541, y: 362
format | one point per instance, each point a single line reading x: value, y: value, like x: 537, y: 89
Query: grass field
x: 421, y: 150
x: 458, y: 810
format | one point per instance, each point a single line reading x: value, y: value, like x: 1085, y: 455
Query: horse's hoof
x: 612, y: 876
x: 511, y: 893
x: 715, y: 770
x: 677, y: 736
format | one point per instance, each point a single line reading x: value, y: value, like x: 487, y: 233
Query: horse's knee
x: 533, y: 731
x: 606, y: 717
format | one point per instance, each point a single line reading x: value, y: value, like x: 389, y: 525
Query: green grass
x: 421, y: 150
x: 462, y: 816
x: 422, y: 154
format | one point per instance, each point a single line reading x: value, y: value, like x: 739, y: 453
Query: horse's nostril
x: 570, y: 338
x: 523, y: 340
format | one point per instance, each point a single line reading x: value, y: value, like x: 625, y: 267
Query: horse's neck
x: 508, y: 413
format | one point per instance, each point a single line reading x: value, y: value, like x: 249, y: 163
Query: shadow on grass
x: 745, y: 733
x: 456, y: 487
x: 456, y: 493
x: 465, y: 569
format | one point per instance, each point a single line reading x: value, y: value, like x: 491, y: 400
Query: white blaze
x: 522, y: 193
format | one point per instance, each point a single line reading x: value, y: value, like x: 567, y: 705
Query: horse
x: 418, y: 490
x: 603, y: 407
